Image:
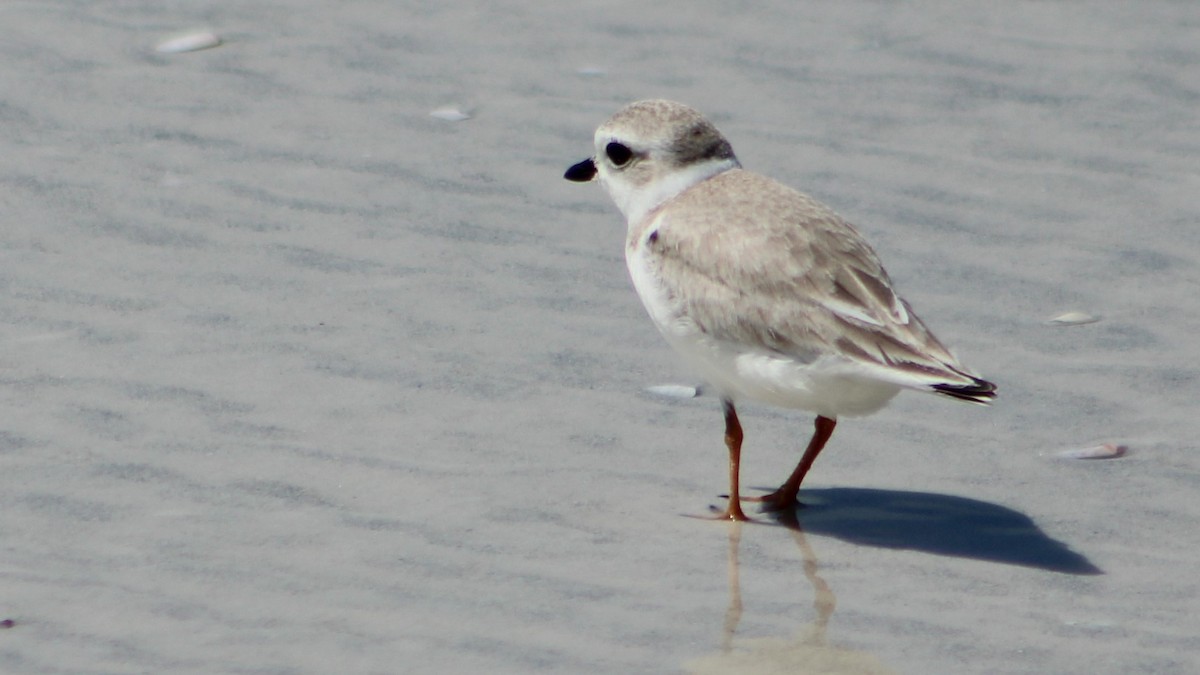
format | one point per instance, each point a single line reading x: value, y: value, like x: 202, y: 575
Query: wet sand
x: 300, y: 379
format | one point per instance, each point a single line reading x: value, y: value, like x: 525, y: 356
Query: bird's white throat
x: 636, y: 201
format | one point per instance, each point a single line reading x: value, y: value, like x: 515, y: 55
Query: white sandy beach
x: 297, y: 378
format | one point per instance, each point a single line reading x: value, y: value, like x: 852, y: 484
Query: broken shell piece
x: 673, y: 391
x: 1106, y: 451
x: 191, y: 42
x: 1073, y: 319
x: 450, y: 114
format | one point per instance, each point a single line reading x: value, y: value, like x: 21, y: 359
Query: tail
x: 979, y: 391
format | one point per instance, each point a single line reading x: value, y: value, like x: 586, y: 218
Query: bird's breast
x: 643, y: 258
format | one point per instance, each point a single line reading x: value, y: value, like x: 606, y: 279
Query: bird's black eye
x: 619, y: 154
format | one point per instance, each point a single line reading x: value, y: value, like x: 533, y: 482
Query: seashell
x: 450, y: 114
x: 1105, y: 451
x: 591, y: 71
x: 673, y: 391
x: 1073, y: 318
x: 190, y: 42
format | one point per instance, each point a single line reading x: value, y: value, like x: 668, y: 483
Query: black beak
x: 582, y: 172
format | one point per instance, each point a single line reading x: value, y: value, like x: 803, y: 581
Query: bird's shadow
x: 934, y: 523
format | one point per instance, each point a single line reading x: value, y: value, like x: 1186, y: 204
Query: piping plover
x: 766, y: 293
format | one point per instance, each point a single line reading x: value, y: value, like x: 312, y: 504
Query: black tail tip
x: 979, y: 391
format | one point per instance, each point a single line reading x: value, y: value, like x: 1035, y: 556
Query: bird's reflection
x: 808, y: 651
x: 918, y: 521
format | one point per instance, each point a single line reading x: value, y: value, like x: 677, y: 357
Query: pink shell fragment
x: 1105, y: 451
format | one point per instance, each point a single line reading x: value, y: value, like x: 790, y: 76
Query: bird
x: 766, y: 293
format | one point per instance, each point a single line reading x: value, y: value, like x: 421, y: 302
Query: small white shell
x: 673, y: 391
x: 450, y: 114
x: 1073, y: 319
x: 191, y: 42
x: 1106, y: 451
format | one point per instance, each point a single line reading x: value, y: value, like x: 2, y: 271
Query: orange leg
x: 733, y: 440
x: 785, y: 496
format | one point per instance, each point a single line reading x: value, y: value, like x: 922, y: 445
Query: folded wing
x: 793, y: 278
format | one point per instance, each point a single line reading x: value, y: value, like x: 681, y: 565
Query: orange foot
x: 779, y: 500
x: 732, y: 512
